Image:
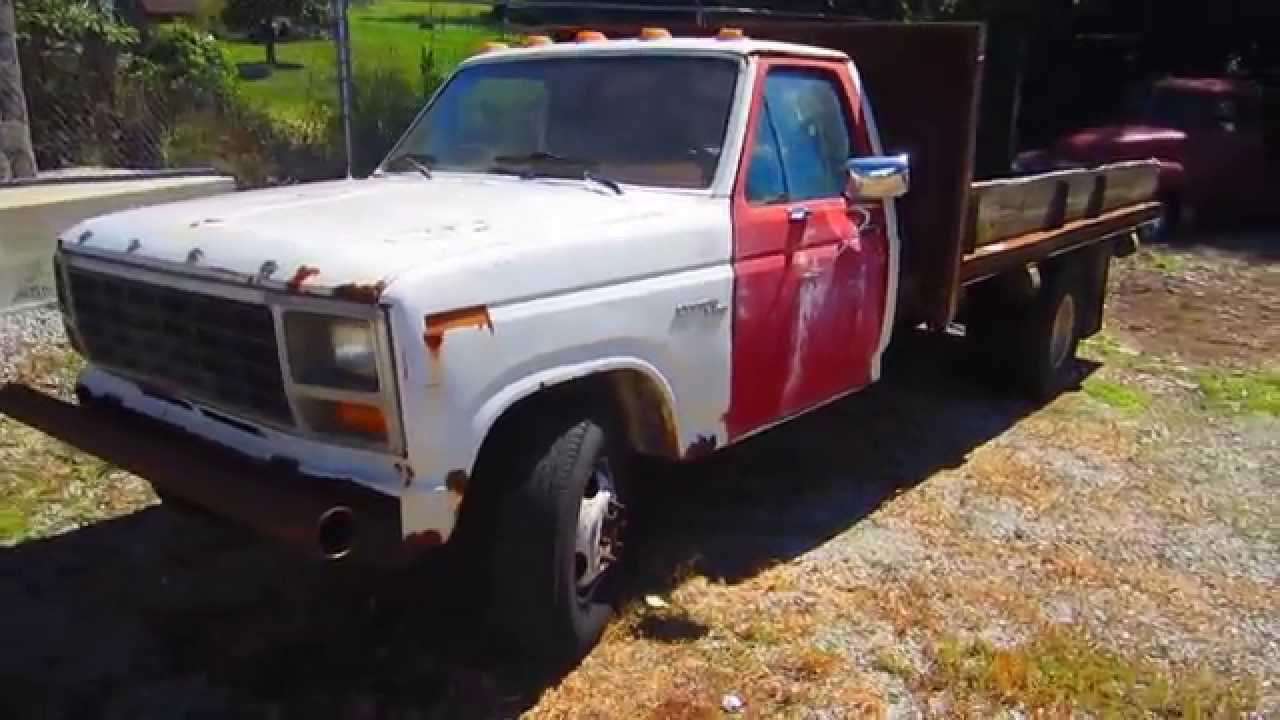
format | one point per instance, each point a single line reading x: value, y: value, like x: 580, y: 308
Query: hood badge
x: 268, y: 269
x: 195, y: 256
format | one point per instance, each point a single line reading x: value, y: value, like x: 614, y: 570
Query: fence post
x: 343, y: 37
x: 17, y: 158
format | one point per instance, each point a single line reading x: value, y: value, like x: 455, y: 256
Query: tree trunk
x: 16, y: 157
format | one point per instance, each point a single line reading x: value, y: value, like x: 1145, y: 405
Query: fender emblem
x: 708, y: 308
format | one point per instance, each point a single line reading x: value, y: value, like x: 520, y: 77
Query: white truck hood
x: 317, y: 237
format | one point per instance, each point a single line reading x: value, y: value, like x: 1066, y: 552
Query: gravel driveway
x: 930, y: 547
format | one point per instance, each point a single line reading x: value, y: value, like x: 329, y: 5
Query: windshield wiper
x: 421, y: 163
x: 543, y: 157
x: 601, y: 180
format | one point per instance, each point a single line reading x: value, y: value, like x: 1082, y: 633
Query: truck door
x: 810, y: 269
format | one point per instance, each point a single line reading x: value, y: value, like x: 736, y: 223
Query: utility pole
x: 342, y: 36
x: 17, y: 160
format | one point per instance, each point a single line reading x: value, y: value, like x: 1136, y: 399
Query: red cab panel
x: 810, y: 268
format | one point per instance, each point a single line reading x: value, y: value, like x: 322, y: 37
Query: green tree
x: 263, y: 18
x: 16, y: 156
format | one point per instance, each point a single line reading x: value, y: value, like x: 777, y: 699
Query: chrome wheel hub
x: 599, y: 526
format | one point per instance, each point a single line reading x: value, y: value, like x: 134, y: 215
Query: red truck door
x: 810, y: 269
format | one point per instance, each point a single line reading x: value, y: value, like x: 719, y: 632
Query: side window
x: 765, y: 180
x: 812, y: 131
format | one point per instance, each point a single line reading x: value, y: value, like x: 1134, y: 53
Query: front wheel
x: 558, y: 538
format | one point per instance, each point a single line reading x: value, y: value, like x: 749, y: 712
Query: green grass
x: 1166, y: 262
x: 13, y: 523
x: 1241, y: 392
x: 892, y: 661
x: 1057, y: 673
x: 382, y: 32
x: 1105, y: 348
x: 1116, y: 395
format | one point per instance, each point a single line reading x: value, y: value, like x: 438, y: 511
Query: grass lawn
x: 382, y: 31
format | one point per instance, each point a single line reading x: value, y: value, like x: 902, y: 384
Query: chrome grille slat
x: 215, y: 349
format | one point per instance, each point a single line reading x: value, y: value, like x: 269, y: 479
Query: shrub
x: 383, y: 103
x: 186, y: 65
x: 73, y: 56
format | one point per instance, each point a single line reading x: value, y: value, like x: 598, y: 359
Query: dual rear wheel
x: 1026, y: 331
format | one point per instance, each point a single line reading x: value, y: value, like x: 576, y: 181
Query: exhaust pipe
x: 336, y: 532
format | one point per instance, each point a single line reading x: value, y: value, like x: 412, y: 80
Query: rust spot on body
x: 300, y: 276
x: 368, y: 293
x: 702, y: 447
x: 406, y: 473
x: 441, y: 323
x: 424, y: 539
x: 456, y: 481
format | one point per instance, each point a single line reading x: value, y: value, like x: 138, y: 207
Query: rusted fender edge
x: 271, y: 498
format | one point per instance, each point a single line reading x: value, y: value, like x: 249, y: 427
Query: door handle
x: 798, y: 214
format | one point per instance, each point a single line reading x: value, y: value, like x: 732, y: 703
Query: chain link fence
x: 127, y: 127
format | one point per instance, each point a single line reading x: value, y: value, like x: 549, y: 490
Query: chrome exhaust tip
x: 336, y: 532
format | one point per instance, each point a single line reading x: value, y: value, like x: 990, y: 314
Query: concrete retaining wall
x: 32, y: 215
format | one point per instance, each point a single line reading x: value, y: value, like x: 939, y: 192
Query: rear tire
x: 557, y: 535
x: 1170, y: 220
x: 1024, y: 334
x: 1050, y: 336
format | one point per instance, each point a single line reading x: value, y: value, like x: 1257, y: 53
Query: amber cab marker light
x: 538, y: 41
x: 363, y: 419
x: 492, y: 46
x: 590, y: 36
x: 731, y: 33
x: 655, y: 33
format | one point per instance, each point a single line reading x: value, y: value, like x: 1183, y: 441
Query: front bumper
x: 275, y: 499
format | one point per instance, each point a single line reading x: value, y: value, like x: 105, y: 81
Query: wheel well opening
x: 632, y: 399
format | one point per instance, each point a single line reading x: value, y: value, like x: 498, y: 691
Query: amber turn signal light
x: 360, y: 419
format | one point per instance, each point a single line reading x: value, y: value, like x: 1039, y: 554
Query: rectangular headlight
x: 332, y: 352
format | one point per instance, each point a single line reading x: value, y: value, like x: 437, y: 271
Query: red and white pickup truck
x: 580, y: 253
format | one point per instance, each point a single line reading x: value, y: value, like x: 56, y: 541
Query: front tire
x: 557, y: 538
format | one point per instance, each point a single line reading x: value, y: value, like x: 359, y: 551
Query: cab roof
x: 740, y: 48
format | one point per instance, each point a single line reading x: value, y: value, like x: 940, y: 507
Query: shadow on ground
x: 1254, y: 241
x: 163, y: 615
x: 263, y: 70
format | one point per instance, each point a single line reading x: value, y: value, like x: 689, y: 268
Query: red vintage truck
x: 1209, y: 134
x: 580, y: 254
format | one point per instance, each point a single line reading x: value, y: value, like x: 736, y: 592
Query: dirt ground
x: 928, y: 548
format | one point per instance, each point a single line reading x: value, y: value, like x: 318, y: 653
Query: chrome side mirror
x: 879, y: 177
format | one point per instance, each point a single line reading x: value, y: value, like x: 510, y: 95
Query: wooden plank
x: 997, y: 257
x: 1011, y: 207
x: 1128, y: 183
x: 1014, y: 206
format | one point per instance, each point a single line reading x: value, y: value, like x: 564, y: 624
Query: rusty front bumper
x: 272, y: 498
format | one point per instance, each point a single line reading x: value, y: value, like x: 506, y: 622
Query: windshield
x: 1192, y: 111
x: 656, y: 121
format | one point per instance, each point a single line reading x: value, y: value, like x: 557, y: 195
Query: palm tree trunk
x: 16, y: 157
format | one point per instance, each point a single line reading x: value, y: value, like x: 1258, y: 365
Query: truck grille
x: 220, y: 351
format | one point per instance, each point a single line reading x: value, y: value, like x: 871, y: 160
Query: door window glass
x: 812, y: 131
x: 765, y: 181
